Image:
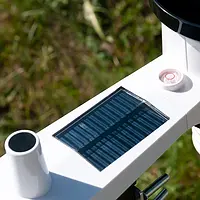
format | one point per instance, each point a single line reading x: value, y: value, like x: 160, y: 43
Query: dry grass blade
x: 90, y: 16
x: 4, y: 81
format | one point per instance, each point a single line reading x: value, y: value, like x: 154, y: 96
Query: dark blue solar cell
x: 111, y: 127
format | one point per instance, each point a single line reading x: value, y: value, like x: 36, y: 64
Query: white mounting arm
x: 75, y: 178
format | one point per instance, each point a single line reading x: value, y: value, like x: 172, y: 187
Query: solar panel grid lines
x: 111, y: 127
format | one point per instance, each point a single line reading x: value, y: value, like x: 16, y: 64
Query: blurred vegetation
x: 57, y: 54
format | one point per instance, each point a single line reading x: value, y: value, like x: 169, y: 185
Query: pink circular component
x: 169, y: 76
x: 171, y: 79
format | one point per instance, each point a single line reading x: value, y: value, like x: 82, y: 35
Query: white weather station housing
x: 100, y: 149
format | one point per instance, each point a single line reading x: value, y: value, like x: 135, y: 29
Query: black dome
x: 182, y: 16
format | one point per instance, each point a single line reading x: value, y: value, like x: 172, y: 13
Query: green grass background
x: 57, y: 54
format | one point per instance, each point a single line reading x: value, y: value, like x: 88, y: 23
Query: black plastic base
x: 132, y: 193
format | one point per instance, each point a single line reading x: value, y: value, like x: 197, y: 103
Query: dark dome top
x: 182, y: 16
x: 185, y: 9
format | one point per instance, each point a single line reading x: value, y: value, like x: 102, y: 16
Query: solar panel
x: 111, y: 127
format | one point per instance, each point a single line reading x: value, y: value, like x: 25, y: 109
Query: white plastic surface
x: 184, y: 50
x: 28, y: 171
x: 193, y: 56
x: 76, y: 179
x: 174, y: 47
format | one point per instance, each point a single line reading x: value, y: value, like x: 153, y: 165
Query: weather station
x: 100, y: 149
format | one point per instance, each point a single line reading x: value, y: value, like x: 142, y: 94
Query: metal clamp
x: 134, y: 193
x: 156, y: 185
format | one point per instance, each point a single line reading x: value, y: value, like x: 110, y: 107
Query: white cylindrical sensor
x: 196, y: 138
x: 29, y: 172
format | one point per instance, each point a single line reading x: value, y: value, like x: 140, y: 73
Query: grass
x: 54, y: 56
